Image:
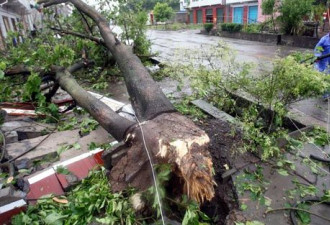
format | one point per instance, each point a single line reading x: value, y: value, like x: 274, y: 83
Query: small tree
x: 162, y: 12
x: 268, y: 8
x: 292, y: 13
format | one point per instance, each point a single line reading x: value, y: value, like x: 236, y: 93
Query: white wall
x: 10, y: 16
x: 199, y: 3
x: 238, y: 1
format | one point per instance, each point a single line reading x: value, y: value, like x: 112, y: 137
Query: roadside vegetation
x: 61, y: 44
x: 259, y: 102
x: 176, y: 26
x: 214, y: 75
x: 285, y: 17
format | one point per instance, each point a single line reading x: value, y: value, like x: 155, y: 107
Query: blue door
x: 238, y: 15
x: 253, y: 14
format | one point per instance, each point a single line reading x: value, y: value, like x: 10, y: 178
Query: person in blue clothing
x: 323, y: 65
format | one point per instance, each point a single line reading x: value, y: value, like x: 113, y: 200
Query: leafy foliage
x: 162, y: 12
x: 86, y: 202
x: 231, y: 27
x: 215, y: 75
x: 150, y: 4
x: 268, y: 7
x: 252, y: 28
x: 208, y: 27
x: 132, y: 18
x: 292, y: 12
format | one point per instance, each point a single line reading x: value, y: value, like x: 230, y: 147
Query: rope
x: 153, y: 172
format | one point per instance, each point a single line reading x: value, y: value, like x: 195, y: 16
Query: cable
x: 153, y: 171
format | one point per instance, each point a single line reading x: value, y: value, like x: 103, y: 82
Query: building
x: 219, y: 11
x: 13, y: 12
x: 25, y: 12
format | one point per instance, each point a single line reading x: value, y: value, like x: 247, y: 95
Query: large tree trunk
x: 170, y: 137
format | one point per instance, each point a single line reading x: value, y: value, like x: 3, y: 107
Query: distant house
x: 13, y: 12
x: 219, y: 11
x: 25, y: 12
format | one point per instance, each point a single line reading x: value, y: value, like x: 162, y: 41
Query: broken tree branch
x: 47, y: 3
x: 108, y: 119
x: 147, y: 98
x: 89, y: 37
x: 170, y: 137
x: 24, y: 70
x: 86, y: 24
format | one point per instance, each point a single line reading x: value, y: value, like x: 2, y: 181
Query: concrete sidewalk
x: 312, y: 111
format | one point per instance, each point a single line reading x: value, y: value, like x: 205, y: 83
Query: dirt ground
x: 221, y: 145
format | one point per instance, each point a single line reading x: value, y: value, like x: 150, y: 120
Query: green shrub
x: 252, y: 28
x: 231, y: 27
x: 208, y: 27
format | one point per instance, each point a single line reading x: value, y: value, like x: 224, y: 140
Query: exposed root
x: 171, y: 138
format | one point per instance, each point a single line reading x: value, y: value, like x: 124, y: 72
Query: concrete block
x: 11, y: 137
x: 43, y: 183
x: 227, y: 175
x: 10, y: 210
x: 213, y: 111
x: 24, y: 126
x: 9, y: 195
x: 48, y: 148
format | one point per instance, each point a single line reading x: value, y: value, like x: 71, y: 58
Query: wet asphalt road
x: 312, y: 111
x: 168, y: 42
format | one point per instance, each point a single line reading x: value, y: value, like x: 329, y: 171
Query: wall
x: 181, y: 17
x: 200, y: 3
x: 10, y: 15
x: 261, y: 17
x: 288, y: 40
x: 238, y: 1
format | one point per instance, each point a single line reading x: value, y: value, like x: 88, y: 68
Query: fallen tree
x: 168, y: 136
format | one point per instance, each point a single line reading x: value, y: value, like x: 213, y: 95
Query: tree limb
x: 92, y: 38
x: 147, y: 98
x: 108, y: 119
x: 47, y: 3
x: 85, y: 21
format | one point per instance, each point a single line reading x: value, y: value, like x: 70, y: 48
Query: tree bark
x: 147, y: 98
x: 83, y: 36
x: 107, y: 118
x: 167, y: 135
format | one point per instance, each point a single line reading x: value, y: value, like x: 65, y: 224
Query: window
x: 209, y: 16
x: 199, y: 16
x: 220, y: 17
x: 13, y: 21
x: 6, y: 22
x: 2, y: 42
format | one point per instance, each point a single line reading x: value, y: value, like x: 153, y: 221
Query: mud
x: 221, y: 145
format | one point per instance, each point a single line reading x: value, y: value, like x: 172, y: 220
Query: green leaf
x: 2, y: 66
x: 54, y: 219
x: 283, y: 172
x: 254, y: 223
x: 2, y: 75
x: 62, y: 170
x: 77, y: 146
x: 244, y: 207
x: 92, y: 146
x: 304, y: 217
